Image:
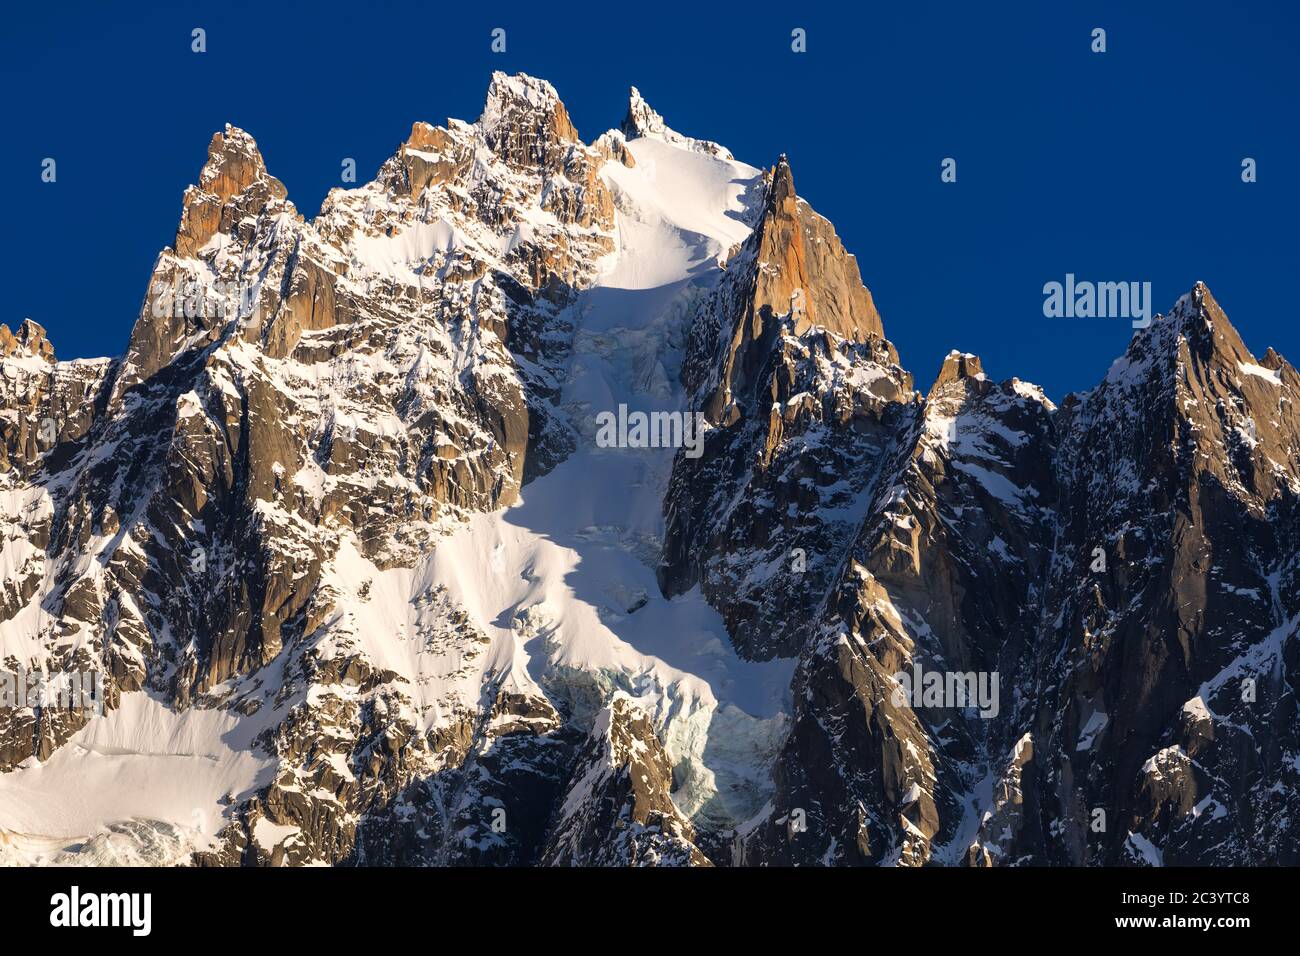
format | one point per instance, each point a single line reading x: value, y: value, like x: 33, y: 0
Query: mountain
x: 368, y: 585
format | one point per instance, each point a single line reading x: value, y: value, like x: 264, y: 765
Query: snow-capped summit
x: 524, y: 121
x: 642, y: 120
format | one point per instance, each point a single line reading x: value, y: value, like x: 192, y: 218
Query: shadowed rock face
x: 1163, y: 694
x: 943, y: 574
x: 1125, y: 564
x: 306, y: 406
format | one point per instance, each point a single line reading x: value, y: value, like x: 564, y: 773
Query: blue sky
x: 1117, y: 166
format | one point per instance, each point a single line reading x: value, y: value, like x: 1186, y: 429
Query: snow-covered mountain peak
x: 1191, y: 341
x: 524, y: 121
x: 366, y: 585
x: 507, y: 95
x: 642, y: 120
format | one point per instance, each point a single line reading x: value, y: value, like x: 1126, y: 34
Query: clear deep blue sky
x: 1119, y: 166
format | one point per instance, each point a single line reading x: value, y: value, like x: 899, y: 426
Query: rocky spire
x: 235, y: 197
x: 804, y: 268
x: 957, y: 366
x: 789, y: 362
x: 233, y: 184
x: 30, y: 338
x: 1272, y: 360
x: 794, y: 274
x: 642, y: 120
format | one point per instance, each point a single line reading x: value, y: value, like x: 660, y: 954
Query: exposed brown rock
x: 957, y: 365
x: 233, y: 184
x: 30, y: 338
